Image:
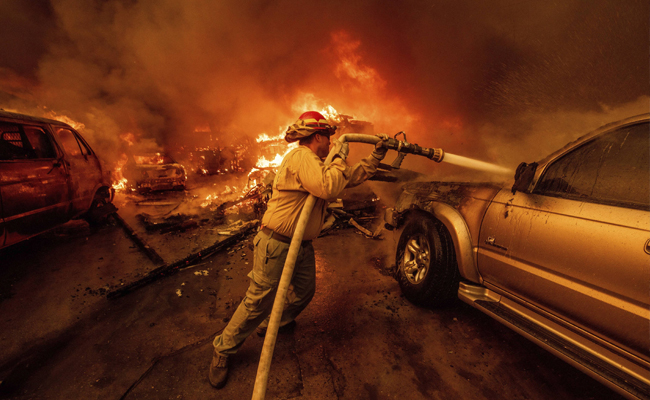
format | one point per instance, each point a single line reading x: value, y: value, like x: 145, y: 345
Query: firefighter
x: 301, y: 173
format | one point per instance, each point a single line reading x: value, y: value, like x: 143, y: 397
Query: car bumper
x: 161, y: 184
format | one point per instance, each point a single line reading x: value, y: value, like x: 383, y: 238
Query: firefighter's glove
x: 380, y: 148
x: 341, y: 149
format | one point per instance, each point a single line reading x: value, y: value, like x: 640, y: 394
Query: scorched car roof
x: 24, y: 117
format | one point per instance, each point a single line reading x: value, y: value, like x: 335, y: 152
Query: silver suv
x: 561, y: 254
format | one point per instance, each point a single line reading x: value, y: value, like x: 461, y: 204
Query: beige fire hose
x: 261, y: 380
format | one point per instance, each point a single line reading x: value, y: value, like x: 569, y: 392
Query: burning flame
x: 208, y: 200
x: 119, y: 181
x: 309, y: 102
x: 263, y: 137
x: 262, y: 162
x: 63, y: 118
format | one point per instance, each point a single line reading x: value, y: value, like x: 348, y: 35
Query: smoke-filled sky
x: 487, y: 79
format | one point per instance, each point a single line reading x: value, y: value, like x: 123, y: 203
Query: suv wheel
x: 426, y: 264
x: 100, y: 208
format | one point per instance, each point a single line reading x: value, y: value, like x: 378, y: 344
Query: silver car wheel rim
x: 416, y: 258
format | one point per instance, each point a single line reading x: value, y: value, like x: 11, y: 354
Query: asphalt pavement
x: 62, y: 338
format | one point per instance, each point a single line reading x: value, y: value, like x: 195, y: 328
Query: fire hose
x: 402, y: 147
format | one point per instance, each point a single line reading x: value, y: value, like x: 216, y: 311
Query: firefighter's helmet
x: 308, y: 123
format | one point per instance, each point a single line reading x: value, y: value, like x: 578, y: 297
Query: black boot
x: 218, y: 371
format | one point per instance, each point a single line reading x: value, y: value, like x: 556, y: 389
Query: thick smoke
x: 490, y: 80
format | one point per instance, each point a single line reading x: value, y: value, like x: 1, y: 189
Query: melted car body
x: 561, y: 254
x: 154, y: 172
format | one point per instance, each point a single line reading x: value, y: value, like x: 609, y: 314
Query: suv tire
x: 426, y: 263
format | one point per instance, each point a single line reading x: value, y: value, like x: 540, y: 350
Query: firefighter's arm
x: 323, y: 181
x: 367, y: 167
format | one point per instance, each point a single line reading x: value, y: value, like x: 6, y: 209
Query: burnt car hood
x: 456, y: 194
x: 469, y: 199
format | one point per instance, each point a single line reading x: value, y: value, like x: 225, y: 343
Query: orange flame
x: 63, y: 118
x: 119, y: 181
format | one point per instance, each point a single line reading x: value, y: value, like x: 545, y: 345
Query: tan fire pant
x: 255, y: 308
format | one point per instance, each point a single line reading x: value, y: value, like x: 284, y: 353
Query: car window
x: 69, y: 141
x: 85, y: 150
x: 40, y: 142
x: 612, y: 169
x: 13, y: 143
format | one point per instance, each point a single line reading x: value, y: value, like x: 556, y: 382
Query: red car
x: 48, y: 176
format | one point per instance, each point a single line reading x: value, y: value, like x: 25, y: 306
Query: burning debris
x: 222, y: 160
x: 355, y: 212
x: 238, y: 226
x: 153, y: 172
x: 172, y: 223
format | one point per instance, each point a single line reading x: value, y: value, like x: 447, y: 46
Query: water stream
x: 476, y: 164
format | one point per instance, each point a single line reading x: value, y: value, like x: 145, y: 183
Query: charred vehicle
x: 48, y: 175
x: 561, y: 254
x: 152, y: 172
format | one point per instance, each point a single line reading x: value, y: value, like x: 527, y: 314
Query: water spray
x: 403, y: 147
x: 476, y: 164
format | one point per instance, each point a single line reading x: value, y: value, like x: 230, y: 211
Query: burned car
x: 153, y: 172
x: 561, y: 254
x: 48, y: 176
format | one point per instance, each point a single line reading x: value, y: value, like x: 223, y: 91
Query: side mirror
x: 524, y: 176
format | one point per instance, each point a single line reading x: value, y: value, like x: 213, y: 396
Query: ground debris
x: 345, y: 213
x: 172, y: 223
x: 254, y: 202
x: 186, y: 262
x: 373, y: 235
x: 237, y: 226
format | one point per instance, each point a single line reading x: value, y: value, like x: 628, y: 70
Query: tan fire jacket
x: 302, y: 173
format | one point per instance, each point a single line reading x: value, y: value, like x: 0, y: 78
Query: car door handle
x: 55, y: 164
x: 492, y: 242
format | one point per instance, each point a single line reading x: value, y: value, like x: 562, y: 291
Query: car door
x: 83, y: 168
x: 577, y: 246
x: 33, y: 184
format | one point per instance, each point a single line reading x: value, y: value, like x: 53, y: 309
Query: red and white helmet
x: 308, y: 123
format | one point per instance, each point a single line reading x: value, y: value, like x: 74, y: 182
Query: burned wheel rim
x: 417, y: 257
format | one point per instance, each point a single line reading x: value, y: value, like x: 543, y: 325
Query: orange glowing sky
x: 474, y: 78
